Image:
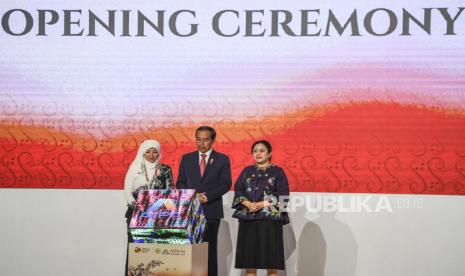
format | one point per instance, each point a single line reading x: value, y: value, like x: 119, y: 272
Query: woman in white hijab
x: 145, y: 172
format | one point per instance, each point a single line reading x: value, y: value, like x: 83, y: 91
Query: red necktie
x: 203, y: 164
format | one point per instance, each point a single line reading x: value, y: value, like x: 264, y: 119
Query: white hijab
x: 147, y: 144
x: 137, y: 166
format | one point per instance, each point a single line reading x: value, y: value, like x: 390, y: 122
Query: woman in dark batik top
x: 145, y: 173
x: 258, y: 196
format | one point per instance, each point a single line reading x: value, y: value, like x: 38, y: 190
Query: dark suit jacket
x: 216, y: 180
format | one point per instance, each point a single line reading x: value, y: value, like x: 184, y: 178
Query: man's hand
x: 203, y: 198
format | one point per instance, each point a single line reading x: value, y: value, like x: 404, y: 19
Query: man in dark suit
x: 209, y: 172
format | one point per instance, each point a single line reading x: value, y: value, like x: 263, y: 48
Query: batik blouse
x: 258, y: 184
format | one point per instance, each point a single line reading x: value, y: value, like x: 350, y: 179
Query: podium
x: 167, y: 227
x: 168, y: 259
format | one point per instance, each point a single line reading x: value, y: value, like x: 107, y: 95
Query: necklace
x: 144, y: 170
x: 263, y: 168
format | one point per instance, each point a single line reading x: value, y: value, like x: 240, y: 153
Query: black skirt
x: 260, y: 245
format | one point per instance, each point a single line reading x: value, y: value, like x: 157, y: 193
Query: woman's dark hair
x: 263, y: 142
x: 207, y: 128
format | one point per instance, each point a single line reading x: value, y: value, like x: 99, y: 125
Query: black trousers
x: 211, y: 236
x: 128, y: 219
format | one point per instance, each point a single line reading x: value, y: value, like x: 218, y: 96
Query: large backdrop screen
x: 355, y: 96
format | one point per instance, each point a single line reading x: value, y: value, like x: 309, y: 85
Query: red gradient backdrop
x: 364, y: 147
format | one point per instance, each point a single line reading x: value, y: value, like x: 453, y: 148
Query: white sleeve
x: 129, y: 186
